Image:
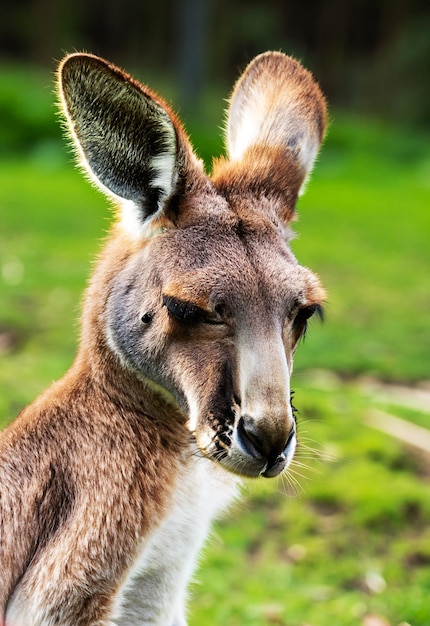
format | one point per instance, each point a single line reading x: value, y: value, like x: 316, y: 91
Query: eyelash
x: 183, y: 311
x: 300, y: 323
x: 188, y: 313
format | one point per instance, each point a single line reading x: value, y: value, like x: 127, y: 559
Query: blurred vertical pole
x: 43, y: 33
x: 190, y: 55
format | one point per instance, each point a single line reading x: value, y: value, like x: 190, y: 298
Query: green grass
x: 364, y: 225
x: 363, y: 513
x: 356, y: 541
x: 51, y: 225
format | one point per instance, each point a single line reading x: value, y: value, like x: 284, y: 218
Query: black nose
x: 261, y: 441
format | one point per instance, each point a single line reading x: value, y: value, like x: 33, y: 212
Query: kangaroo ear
x: 127, y: 138
x: 275, y: 125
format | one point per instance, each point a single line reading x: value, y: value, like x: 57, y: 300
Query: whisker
x: 290, y: 485
x: 312, y: 452
x: 305, y: 466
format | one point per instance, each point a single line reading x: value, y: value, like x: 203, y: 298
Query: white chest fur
x: 155, y: 590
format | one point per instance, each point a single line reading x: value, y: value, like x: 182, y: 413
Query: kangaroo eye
x: 181, y: 310
x: 308, y: 311
x: 300, y: 323
x: 146, y: 318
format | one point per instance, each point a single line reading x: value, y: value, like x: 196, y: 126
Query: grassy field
x: 354, y: 542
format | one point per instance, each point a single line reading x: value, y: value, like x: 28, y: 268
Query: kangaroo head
x: 198, y: 295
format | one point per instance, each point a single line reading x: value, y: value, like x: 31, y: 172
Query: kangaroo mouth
x: 245, y: 445
x: 235, y: 450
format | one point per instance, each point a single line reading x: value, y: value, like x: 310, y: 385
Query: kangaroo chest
x: 154, y: 590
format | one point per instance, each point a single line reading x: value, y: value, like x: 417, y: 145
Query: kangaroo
x: 181, y: 384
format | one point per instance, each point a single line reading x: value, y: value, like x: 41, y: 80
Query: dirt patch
x: 10, y: 340
x: 411, y: 434
x: 412, y: 397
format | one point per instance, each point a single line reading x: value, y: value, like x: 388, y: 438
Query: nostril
x: 277, y: 464
x: 248, y: 437
x: 290, y: 438
x: 263, y: 442
x: 281, y: 458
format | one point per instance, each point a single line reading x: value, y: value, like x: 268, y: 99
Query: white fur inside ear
x: 307, y: 157
x: 130, y: 219
x: 259, y: 122
x: 245, y: 135
x: 164, y: 173
x: 165, y: 177
x: 308, y: 153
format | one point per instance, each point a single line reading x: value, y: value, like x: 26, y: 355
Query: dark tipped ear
x: 125, y: 135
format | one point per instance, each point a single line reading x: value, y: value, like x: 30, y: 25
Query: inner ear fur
x: 275, y: 125
x: 127, y: 138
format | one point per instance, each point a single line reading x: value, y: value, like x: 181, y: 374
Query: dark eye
x: 300, y: 323
x: 181, y: 310
x: 307, y: 312
x: 191, y: 313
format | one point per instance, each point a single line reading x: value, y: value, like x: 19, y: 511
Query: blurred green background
x: 353, y: 546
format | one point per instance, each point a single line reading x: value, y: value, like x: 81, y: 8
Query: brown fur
x: 91, y: 468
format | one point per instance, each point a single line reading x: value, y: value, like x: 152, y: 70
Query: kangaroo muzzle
x: 265, y: 431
